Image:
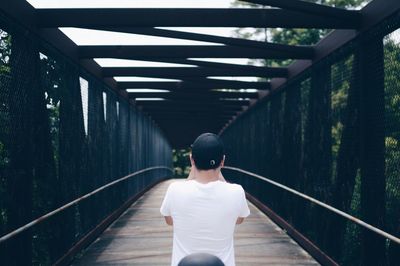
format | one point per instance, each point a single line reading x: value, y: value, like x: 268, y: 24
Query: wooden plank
x: 141, y: 237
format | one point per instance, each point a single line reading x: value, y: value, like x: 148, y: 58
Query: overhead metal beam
x: 184, y: 72
x: 310, y: 8
x: 209, y: 38
x: 210, y: 64
x: 373, y: 13
x: 202, y: 84
x: 193, y: 95
x: 188, y: 113
x: 229, y: 110
x: 194, y: 109
x: 189, y: 17
x: 194, y: 119
x: 150, y: 52
x: 191, y: 113
x: 221, y: 114
x: 208, y: 118
x: 23, y: 13
x: 185, y: 103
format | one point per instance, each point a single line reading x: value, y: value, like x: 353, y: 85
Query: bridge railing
x: 63, y: 133
x: 321, y: 257
x: 332, y: 133
x: 158, y: 173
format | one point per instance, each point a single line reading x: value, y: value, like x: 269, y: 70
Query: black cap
x: 207, y: 151
x: 201, y: 259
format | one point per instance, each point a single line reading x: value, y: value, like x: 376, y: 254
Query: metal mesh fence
x: 392, y: 137
x: 332, y: 133
x: 63, y: 133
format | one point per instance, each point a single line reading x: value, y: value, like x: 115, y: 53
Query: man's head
x: 207, y: 151
x: 201, y: 259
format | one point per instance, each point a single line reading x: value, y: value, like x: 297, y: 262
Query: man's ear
x: 191, y: 160
x: 222, y: 161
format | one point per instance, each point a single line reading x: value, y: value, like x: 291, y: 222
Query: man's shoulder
x: 234, y: 187
x: 177, y: 184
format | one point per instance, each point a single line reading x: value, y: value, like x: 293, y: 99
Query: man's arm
x: 244, y: 210
x: 168, y: 220
x: 165, y: 209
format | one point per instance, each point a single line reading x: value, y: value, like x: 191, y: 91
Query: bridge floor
x: 141, y: 237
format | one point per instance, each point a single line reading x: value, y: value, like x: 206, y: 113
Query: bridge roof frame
x: 347, y: 24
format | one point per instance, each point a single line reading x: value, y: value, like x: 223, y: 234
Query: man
x: 204, y: 209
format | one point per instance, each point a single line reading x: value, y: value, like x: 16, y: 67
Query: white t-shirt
x: 204, y: 218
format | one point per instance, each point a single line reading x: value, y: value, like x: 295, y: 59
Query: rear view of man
x: 204, y: 209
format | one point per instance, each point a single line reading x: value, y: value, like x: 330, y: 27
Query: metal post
x: 319, y: 143
x: 372, y: 148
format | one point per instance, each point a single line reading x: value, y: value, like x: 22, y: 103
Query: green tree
x: 290, y: 36
x: 392, y: 138
x: 5, y: 51
x: 51, y: 80
x: 181, y: 162
x: 341, y: 72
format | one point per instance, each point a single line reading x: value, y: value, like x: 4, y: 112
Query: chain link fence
x: 63, y: 133
x: 333, y: 134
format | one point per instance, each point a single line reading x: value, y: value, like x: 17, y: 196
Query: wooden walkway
x: 141, y: 237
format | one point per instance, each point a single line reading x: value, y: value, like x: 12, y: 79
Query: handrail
x: 48, y: 215
x: 324, y: 205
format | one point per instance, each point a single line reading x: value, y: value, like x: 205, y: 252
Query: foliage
x: 5, y: 51
x: 340, y: 85
x: 392, y: 85
x: 341, y: 78
x: 52, y: 85
x: 392, y: 130
x: 352, y: 241
x: 181, y: 162
x: 392, y: 160
x: 291, y: 36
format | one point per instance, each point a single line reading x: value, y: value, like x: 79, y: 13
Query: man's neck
x: 207, y: 176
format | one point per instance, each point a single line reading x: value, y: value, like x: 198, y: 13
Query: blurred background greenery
x: 181, y: 162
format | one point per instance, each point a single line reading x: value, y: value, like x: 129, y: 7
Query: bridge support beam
x: 347, y: 166
x: 318, y: 144
x: 291, y: 148
x: 371, y: 66
x: 20, y: 133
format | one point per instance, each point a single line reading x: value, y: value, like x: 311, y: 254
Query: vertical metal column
x: 371, y: 66
x: 348, y: 163
x: 72, y: 134
x: 319, y: 143
x: 24, y: 86
x: 291, y: 146
x: 319, y: 131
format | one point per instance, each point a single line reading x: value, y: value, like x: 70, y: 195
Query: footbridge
x: 87, y: 149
